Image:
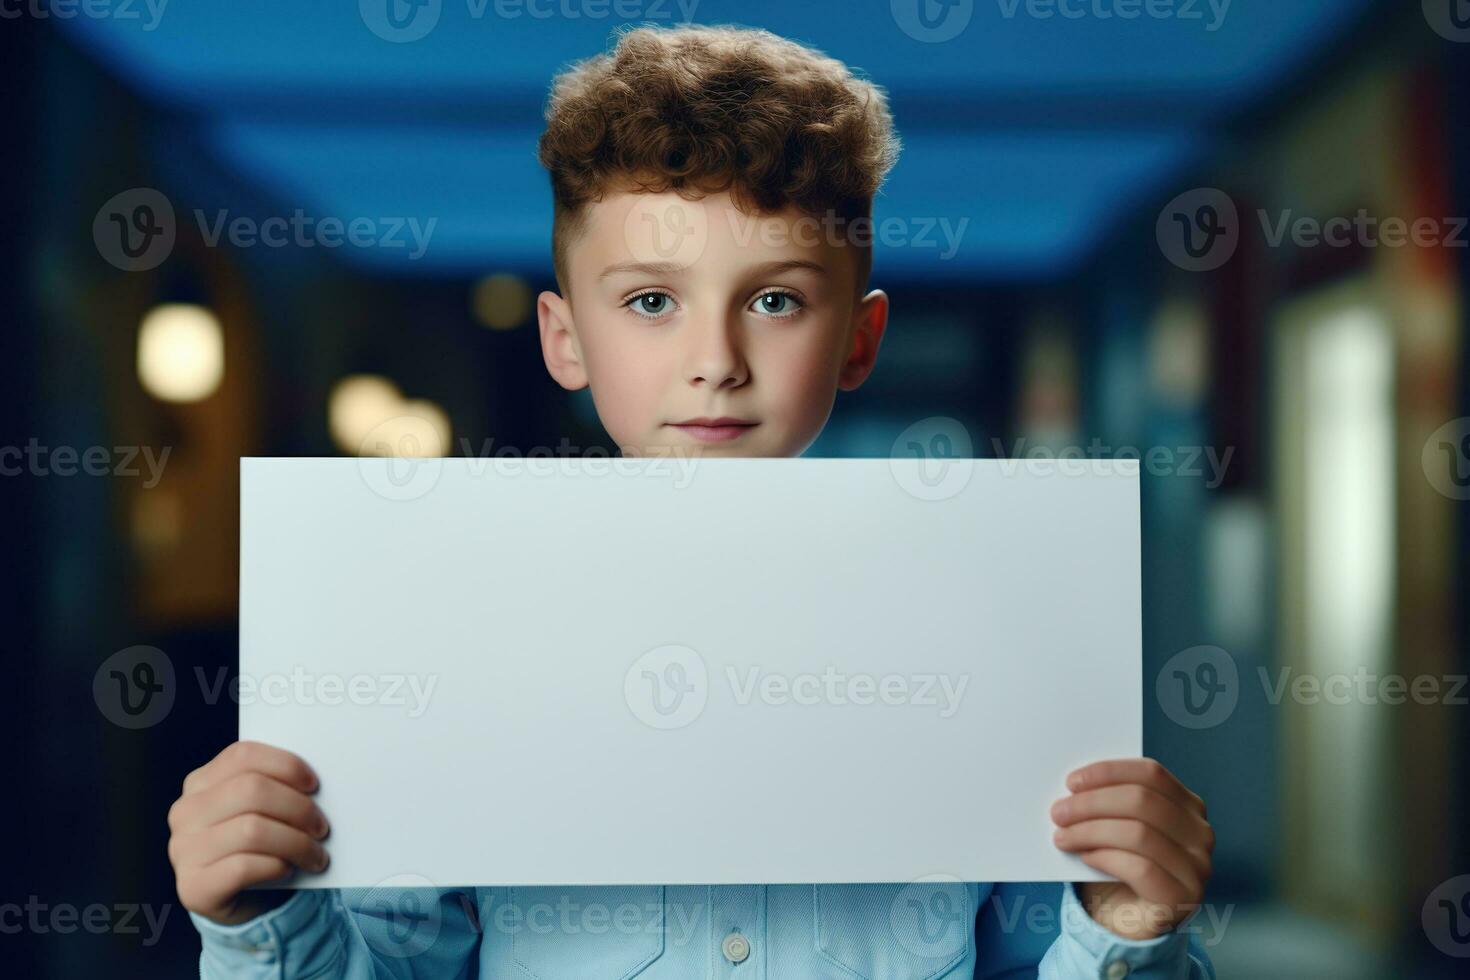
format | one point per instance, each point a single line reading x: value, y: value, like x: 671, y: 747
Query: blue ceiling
x: 1036, y: 132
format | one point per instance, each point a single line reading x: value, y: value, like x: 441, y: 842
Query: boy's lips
x: 719, y: 429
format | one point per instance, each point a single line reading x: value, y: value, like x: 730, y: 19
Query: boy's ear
x: 559, y: 345
x: 869, y: 320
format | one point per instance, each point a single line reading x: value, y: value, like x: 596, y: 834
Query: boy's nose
x: 714, y: 356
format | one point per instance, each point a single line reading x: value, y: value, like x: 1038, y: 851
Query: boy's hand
x: 244, y: 818
x: 1132, y: 819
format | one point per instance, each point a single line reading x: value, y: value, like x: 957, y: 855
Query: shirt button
x: 1117, y: 970
x: 735, y: 947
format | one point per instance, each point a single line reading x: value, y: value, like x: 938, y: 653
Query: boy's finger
x: 250, y: 833
x: 247, y: 792
x: 1131, y: 835
x: 216, y: 886
x: 286, y: 767
x: 1151, y: 882
x: 1145, y: 772
x: 1133, y: 802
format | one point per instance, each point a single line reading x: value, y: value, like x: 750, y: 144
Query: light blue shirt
x: 920, y: 931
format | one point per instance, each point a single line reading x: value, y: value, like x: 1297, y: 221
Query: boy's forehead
x: 630, y: 229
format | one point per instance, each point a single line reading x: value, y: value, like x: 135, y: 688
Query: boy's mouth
x: 721, y: 429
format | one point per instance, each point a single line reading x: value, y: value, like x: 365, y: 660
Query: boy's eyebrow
x: 642, y: 268
x: 671, y: 268
x: 788, y: 265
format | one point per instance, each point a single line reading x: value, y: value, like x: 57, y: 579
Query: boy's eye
x: 777, y: 303
x: 774, y: 303
x: 650, y: 305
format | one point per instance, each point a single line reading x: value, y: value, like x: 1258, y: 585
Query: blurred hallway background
x: 1231, y: 241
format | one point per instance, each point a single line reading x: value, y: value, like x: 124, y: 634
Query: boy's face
x: 691, y: 310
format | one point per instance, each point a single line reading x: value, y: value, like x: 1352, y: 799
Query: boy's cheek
x: 625, y: 391
x: 629, y: 425
x: 804, y: 398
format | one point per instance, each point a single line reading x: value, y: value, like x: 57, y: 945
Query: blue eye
x: 650, y: 306
x: 778, y: 304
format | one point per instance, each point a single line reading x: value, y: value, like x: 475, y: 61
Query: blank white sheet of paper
x: 665, y: 671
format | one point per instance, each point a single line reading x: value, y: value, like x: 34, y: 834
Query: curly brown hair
x: 701, y: 110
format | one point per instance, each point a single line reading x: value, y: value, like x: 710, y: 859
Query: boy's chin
x: 683, y: 451
x: 685, y: 447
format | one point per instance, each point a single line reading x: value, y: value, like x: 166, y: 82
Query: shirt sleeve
x: 318, y: 934
x: 1088, y: 950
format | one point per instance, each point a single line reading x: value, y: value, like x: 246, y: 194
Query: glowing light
x: 368, y: 416
x: 356, y: 405
x: 181, y: 352
x: 418, y: 428
x: 502, y: 301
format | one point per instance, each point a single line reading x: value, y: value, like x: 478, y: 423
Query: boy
x: 710, y: 187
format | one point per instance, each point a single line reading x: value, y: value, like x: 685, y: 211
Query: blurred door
x: 1333, y: 435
